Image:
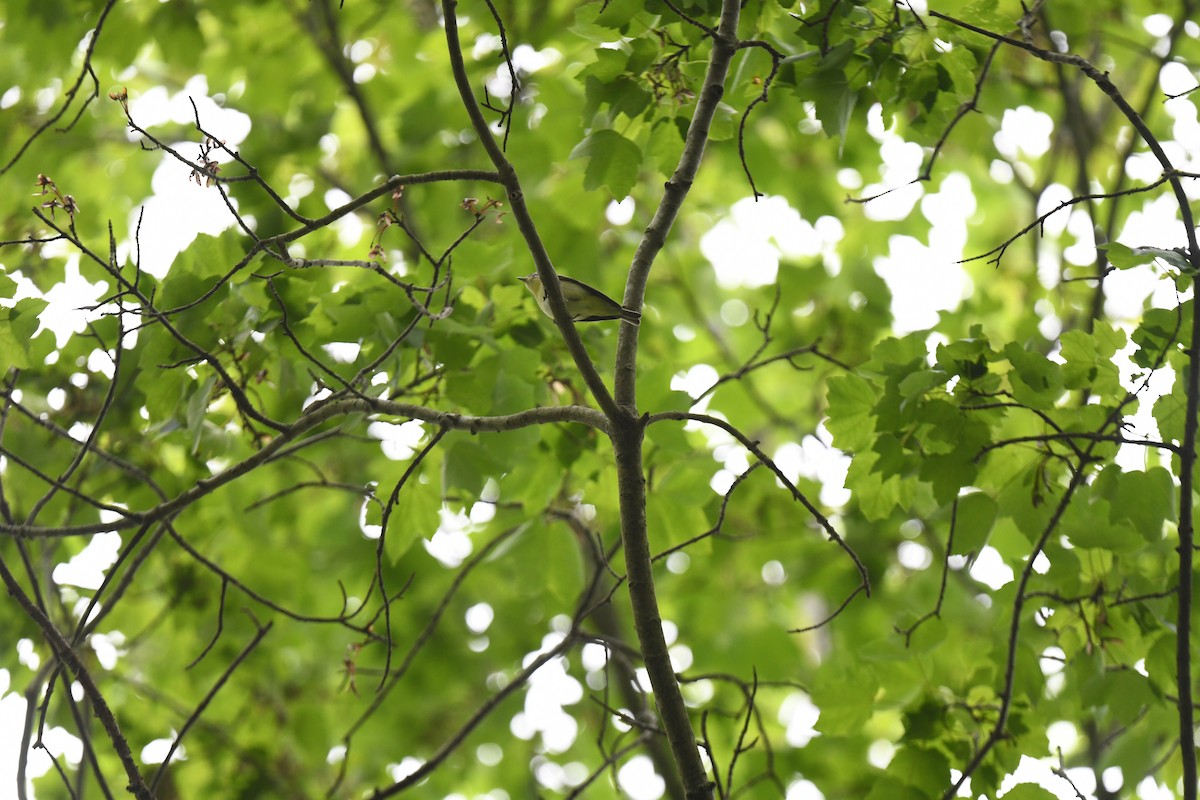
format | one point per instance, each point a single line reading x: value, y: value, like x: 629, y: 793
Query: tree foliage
x: 298, y: 486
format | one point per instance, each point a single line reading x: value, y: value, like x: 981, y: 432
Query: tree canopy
x: 889, y: 494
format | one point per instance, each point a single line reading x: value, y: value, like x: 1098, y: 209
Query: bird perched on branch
x: 584, y: 303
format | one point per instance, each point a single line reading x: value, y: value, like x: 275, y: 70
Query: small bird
x: 585, y: 303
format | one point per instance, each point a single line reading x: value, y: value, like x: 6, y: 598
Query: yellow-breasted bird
x: 583, y: 302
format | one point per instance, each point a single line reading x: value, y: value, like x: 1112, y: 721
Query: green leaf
x: 197, y: 407
x: 612, y: 161
x: 1029, y: 791
x: 1161, y: 331
x: 534, y: 481
x: 986, y: 14
x: 876, y: 494
x: 891, y: 457
x: 888, y: 788
x: 1089, y: 360
x: 560, y: 563
x: 1161, y: 664
x: 467, y: 465
x: 1145, y: 499
x: 619, y: 14
x: 1089, y: 522
x: 846, y: 698
x: 1128, y: 694
x: 17, y: 326
x: 1036, y: 380
x: 958, y: 66
x: 970, y: 435
x: 1170, y: 412
x: 1124, y: 257
x: 900, y: 356
x: 851, y: 412
x: 829, y: 89
x: 415, y: 516
x: 918, y: 383
x: 610, y: 62
x: 921, y: 768
x: 974, y: 519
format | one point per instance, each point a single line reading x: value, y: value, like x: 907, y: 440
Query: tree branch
x: 318, y: 414
x: 725, y: 45
x: 66, y: 655
x: 516, y: 198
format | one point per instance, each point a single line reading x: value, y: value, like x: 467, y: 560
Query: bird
x: 583, y: 302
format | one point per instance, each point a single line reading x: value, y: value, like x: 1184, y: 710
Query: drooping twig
x: 517, y: 681
x: 753, y: 447
x: 715, y: 530
x: 69, y: 98
x: 936, y: 611
x: 997, y: 732
x: 381, y: 543
x: 262, y: 631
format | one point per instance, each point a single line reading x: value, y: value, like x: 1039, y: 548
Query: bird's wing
x: 593, y: 292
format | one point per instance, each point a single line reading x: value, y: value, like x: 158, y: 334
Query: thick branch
x: 725, y: 44
x: 315, y: 416
x: 631, y: 486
